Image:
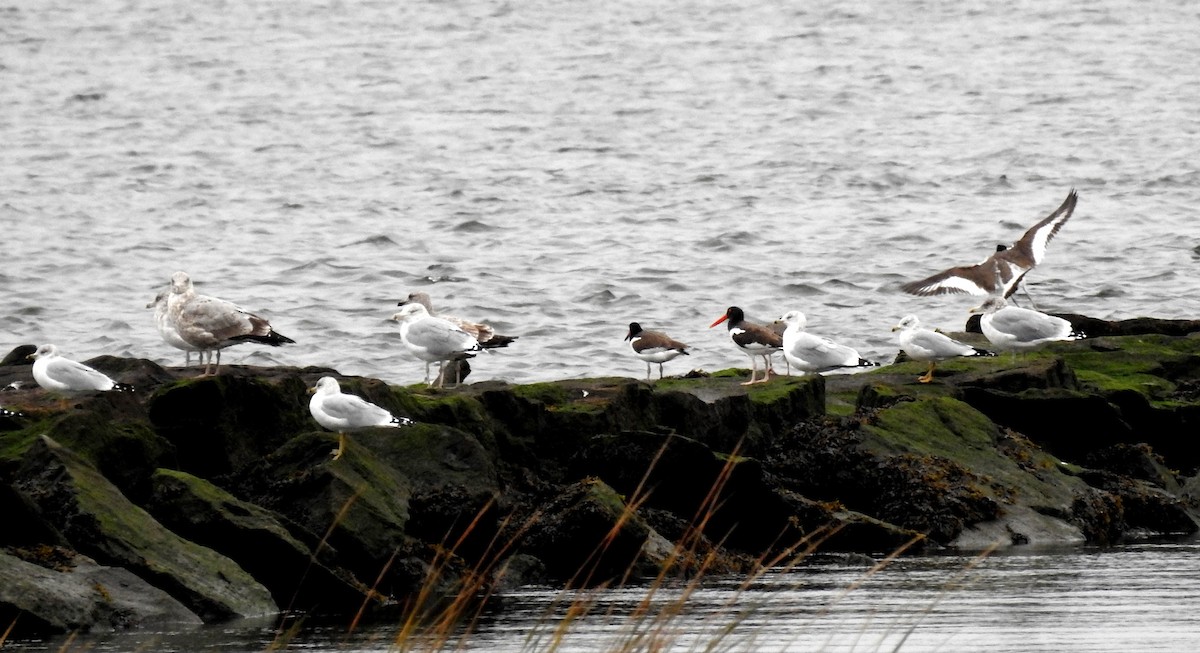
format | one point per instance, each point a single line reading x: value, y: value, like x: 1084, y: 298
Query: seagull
x: 67, y: 377
x: 925, y: 345
x: 654, y: 347
x: 209, y: 324
x: 753, y: 339
x: 341, y: 412
x: 812, y: 353
x: 1013, y: 327
x: 484, y: 333
x: 165, y: 328
x: 433, y: 339
x: 1000, y: 273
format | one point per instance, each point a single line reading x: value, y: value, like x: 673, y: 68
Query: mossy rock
x: 219, y: 423
x: 100, y: 522
x: 256, y: 539
x: 587, y: 535
x: 358, y: 503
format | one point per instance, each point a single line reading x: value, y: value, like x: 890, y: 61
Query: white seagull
x: 341, y: 412
x: 925, y: 345
x: 1000, y: 273
x: 1012, y: 327
x: 484, y: 333
x: 208, y: 324
x: 67, y: 377
x: 812, y: 353
x: 433, y: 339
x: 654, y: 347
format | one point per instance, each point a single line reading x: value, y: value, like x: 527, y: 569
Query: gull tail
x: 982, y: 352
x: 122, y: 387
x: 271, y: 338
x: 497, y: 340
x: 400, y: 421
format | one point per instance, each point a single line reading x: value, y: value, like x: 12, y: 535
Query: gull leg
x: 1029, y: 297
x: 647, y: 370
x: 660, y: 373
x: 341, y: 448
x: 928, y: 375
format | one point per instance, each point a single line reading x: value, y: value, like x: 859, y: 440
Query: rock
x: 82, y: 596
x: 220, y: 423
x: 97, y: 520
x: 357, y: 504
x: 254, y: 538
x: 588, y: 535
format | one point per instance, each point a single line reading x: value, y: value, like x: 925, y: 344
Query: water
x: 1132, y: 598
x: 564, y: 172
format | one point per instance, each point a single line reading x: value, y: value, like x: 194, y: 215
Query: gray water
x: 1137, y: 598
x: 564, y: 169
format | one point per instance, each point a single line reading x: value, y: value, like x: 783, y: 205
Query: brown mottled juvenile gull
x: 167, y: 330
x: 924, y: 345
x: 209, y: 324
x: 654, y: 347
x: 1000, y: 273
x: 340, y: 412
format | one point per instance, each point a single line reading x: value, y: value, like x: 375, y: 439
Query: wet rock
x: 83, y: 595
x: 97, y: 520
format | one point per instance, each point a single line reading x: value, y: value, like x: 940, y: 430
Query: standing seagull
x: 67, y: 377
x: 925, y: 345
x: 812, y: 353
x: 1012, y: 327
x: 753, y: 339
x: 433, y: 339
x: 341, y: 412
x: 208, y: 324
x: 1000, y: 273
x: 167, y: 330
x: 484, y: 333
x: 654, y: 347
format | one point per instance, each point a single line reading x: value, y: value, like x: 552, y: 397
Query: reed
x: 430, y: 625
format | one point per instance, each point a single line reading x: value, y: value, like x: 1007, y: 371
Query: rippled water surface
x: 1132, y: 598
x: 564, y: 170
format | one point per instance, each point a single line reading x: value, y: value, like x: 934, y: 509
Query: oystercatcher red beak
x: 719, y: 320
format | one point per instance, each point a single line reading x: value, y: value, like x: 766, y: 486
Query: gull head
x: 794, y: 318
x: 908, y: 322
x: 992, y: 305
x: 180, y: 282
x: 326, y: 385
x: 410, y: 312
x: 418, y: 297
x: 45, y: 351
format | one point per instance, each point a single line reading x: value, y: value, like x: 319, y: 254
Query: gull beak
x: 312, y: 390
x: 895, y: 328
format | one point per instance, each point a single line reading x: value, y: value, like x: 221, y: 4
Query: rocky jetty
x: 198, y: 500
